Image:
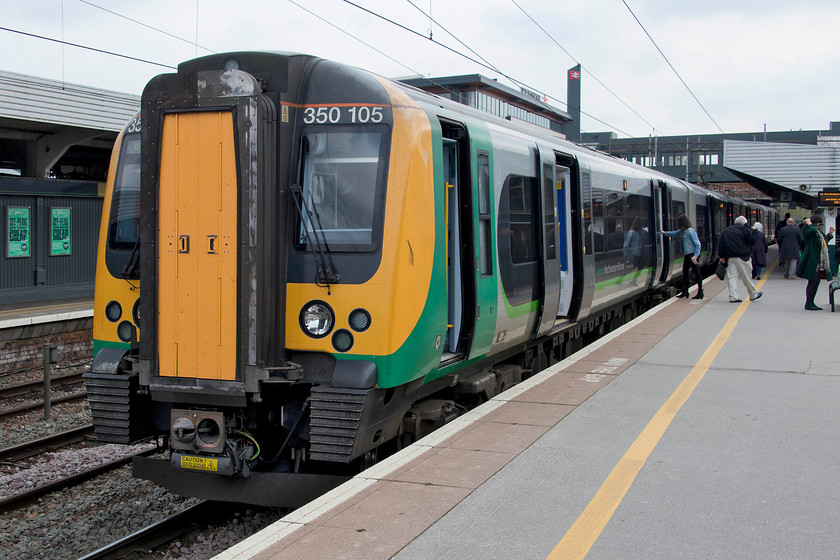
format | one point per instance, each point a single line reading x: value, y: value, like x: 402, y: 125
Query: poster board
x: 18, y: 232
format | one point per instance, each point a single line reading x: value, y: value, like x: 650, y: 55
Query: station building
x: 55, y: 145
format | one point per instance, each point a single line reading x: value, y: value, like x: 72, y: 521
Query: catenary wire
x: 588, y: 71
x: 69, y: 44
x: 672, y: 67
x: 429, y: 15
x: 413, y: 71
x: 482, y: 64
x: 193, y: 43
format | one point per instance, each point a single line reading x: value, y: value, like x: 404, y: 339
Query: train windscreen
x: 124, y: 221
x: 341, y: 186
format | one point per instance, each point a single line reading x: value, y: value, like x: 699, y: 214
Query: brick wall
x: 22, y: 347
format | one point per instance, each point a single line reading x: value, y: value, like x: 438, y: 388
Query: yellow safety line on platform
x: 585, y: 531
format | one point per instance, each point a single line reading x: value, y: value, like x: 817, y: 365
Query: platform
x: 703, y: 429
x: 36, y: 312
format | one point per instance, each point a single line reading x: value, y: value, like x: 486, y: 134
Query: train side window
x: 523, y: 219
x: 485, y: 232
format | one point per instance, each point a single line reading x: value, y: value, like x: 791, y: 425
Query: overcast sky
x: 750, y: 63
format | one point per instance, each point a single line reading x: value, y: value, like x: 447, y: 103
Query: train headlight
x: 113, y: 311
x: 342, y: 340
x: 317, y: 319
x: 125, y: 330
x: 359, y: 320
x: 135, y: 313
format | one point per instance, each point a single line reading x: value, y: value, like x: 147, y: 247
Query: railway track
x: 27, y: 497
x: 158, y: 533
x: 45, y: 444
x: 28, y: 387
x: 35, y: 405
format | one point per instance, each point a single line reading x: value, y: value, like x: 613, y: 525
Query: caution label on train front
x: 199, y: 463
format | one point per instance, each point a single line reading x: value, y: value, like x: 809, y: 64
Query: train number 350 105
x: 338, y: 115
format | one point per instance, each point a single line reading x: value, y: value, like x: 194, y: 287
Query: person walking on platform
x: 814, y: 264
x: 789, y: 240
x: 736, y: 247
x: 782, y: 223
x: 759, y: 255
x: 691, y: 250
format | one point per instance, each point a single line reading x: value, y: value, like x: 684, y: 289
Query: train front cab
x: 118, y: 416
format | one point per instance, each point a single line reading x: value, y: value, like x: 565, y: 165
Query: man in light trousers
x: 736, y: 246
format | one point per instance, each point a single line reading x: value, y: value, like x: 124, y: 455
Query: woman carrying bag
x: 814, y: 264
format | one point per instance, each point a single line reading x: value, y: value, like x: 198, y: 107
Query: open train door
x: 562, y: 178
x: 550, y: 264
x: 661, y: 207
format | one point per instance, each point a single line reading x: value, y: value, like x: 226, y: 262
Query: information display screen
x: 828, y: 198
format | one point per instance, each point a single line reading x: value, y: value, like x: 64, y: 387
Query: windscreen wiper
x: 129, y: 271
x: 324, y: 275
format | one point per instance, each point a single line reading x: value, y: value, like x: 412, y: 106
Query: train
x: 304, y: 265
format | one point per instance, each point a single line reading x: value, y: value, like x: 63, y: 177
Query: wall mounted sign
x: 60, y: 231
x: 18, y: 228
x: 828, y: 198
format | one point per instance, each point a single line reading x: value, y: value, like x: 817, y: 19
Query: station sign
x: 828, y: 197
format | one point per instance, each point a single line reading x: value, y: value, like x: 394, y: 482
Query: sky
x: 732, y: 65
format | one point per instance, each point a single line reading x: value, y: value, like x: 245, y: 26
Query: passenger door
x: 562, y: 177
x: 663, y: 251
x: 549, y: 227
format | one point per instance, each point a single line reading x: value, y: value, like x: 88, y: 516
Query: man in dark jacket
x: 782, y: 223
x: 789, y: 240
x: 735, y: 249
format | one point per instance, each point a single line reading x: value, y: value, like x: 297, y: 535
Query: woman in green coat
x: 814, y: 259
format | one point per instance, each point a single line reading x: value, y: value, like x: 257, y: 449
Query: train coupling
x: 199, y: 442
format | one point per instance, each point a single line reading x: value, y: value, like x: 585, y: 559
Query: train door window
x: 702, y: 225
x: 635, y: 235
x: 549, y: 193
x: 597, y: 224
x: 484, y: 227
x: 586, y: 196
x: 614, y: 213
x: 523, y: 219
x: 677, y: 208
